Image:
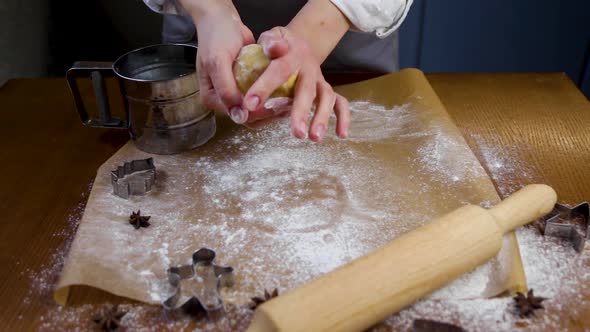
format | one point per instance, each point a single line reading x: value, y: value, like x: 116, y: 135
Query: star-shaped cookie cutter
x: 561, y: 223
x: 200, y: 282
x: 134, y: 178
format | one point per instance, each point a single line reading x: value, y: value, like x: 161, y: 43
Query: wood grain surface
x: 47, y: 163
x: 528, y: 128
x: 524, y: 128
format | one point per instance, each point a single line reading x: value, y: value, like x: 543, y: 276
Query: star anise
x: 109, y: 319
x: 138, y: 221
x: 258, y: 300
x: 527, y: 304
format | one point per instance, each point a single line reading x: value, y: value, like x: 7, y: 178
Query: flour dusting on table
x: 282, y: 211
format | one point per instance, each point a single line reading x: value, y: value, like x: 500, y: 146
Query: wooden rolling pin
x: 369, y: 289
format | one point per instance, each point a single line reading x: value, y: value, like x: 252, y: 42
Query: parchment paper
x: 282, y: 211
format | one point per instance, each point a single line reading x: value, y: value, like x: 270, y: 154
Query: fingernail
x: 238, y: 115
x: 320, y: 131
x: 252, y: 103
x: 300, y: 129
x: 345, y: 133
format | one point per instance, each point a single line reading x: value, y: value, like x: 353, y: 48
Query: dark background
x: 499, y: 36
x: 43, y: 38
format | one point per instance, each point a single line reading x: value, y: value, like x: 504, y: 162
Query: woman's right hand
x: 221, y: 34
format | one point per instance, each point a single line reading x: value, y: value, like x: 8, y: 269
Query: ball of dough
x: 250, y: 64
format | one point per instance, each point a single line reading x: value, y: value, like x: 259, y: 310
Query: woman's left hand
x: 291, y: 54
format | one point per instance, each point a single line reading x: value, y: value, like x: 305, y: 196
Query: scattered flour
x: 505, y: 165
x: 43, y: 280
x: 307, y: 203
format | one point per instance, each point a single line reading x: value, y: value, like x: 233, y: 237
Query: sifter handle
x: 96, y: 71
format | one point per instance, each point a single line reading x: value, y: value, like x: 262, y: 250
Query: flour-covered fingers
x: 326, y: 98
x: 305, y: 92
x: 284, y: 62
x: 274, y: 42
x: 342, y: 110
x: 275, y: 75
x: 221, y: 35
x: 208, y: 96
x: 222, y: 78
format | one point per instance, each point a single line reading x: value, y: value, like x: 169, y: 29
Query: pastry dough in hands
x: 249, y: 65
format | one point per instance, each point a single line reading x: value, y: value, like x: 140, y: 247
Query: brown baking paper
x: 282, y: 211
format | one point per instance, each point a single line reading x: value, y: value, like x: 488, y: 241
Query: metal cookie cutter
x: 134, y: 178
x: 561, y: 222
x: 200, y: 282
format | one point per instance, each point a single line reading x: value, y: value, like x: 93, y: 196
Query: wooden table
x: 540, y: 122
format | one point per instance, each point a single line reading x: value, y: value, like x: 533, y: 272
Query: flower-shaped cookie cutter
x: 200, y: 282
x: 134, y: 178
x: 561, y: 222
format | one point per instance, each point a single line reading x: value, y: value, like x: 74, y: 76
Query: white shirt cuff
x: 382, y: 17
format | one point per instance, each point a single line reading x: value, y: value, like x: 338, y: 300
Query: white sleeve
x: 166, y: 7
x: 379, y: 16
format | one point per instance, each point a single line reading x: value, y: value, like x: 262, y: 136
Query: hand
x: 290, y: 54
x: 221, y: 35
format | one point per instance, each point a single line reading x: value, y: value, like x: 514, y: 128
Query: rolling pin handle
x: 526, y: 205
